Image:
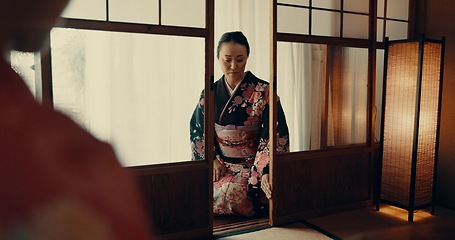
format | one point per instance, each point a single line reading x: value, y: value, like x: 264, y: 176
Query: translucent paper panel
x: 381, y: 8
x: 323, y: 91
x: 293, y: 20
x: 137, y: 11
x: 396, y: 30
x: 295, y: 2
x: 23, y: 64
x: 86, y: 9
x: 398, y: 9
x: 361, y: 26
x: 360, y: 6
x: 183, y: 13
x: 380, y: 30
x: 403, y: 88
x: 173, y: 12
x: 135, y: 91
x: 378, y: 96
x: 352, y: 98
x: 326, y: 23
x: 428, y: 128
x: 399, y: 123
x: 329, y: 4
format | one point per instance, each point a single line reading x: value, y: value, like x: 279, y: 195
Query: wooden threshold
x: 238, y: 227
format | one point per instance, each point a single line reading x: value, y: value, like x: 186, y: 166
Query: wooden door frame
x: 165, y: 184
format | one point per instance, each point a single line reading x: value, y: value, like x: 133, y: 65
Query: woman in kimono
x: 241, y: 167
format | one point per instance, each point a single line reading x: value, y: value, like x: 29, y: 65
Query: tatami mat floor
x: 366, y: 223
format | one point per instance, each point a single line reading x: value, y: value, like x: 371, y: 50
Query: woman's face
x: 233, y: 58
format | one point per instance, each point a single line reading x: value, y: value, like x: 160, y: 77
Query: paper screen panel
x: 399, y: 113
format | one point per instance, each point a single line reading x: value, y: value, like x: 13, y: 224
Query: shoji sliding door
x: 131, y: 73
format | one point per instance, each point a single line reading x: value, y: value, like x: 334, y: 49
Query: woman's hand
x: 218, y: 170
x: 265, y: 186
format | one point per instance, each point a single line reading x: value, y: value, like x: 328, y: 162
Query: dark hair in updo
x: 236, y: 37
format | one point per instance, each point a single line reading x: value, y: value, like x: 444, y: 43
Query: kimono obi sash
x: 238, y: 141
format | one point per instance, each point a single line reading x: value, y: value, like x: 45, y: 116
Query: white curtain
x: 139, y: 91
x: 308, y: 95
x: 300, y: 79
x: 355, y: 95
x: 252, y: 18
x: 136, y: 91
x: 150, y: 100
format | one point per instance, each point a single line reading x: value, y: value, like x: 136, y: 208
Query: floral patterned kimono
x: 241, y: 143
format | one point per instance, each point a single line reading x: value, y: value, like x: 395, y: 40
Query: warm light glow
x: 410, y: 124
x: 402, y: 214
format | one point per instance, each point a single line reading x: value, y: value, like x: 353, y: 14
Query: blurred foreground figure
x: 56, y: 180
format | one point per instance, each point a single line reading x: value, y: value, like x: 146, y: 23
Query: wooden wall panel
x: 178, y: 202
x: 306, y: 186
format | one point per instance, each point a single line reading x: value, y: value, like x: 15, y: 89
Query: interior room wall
x: 439, y: 22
